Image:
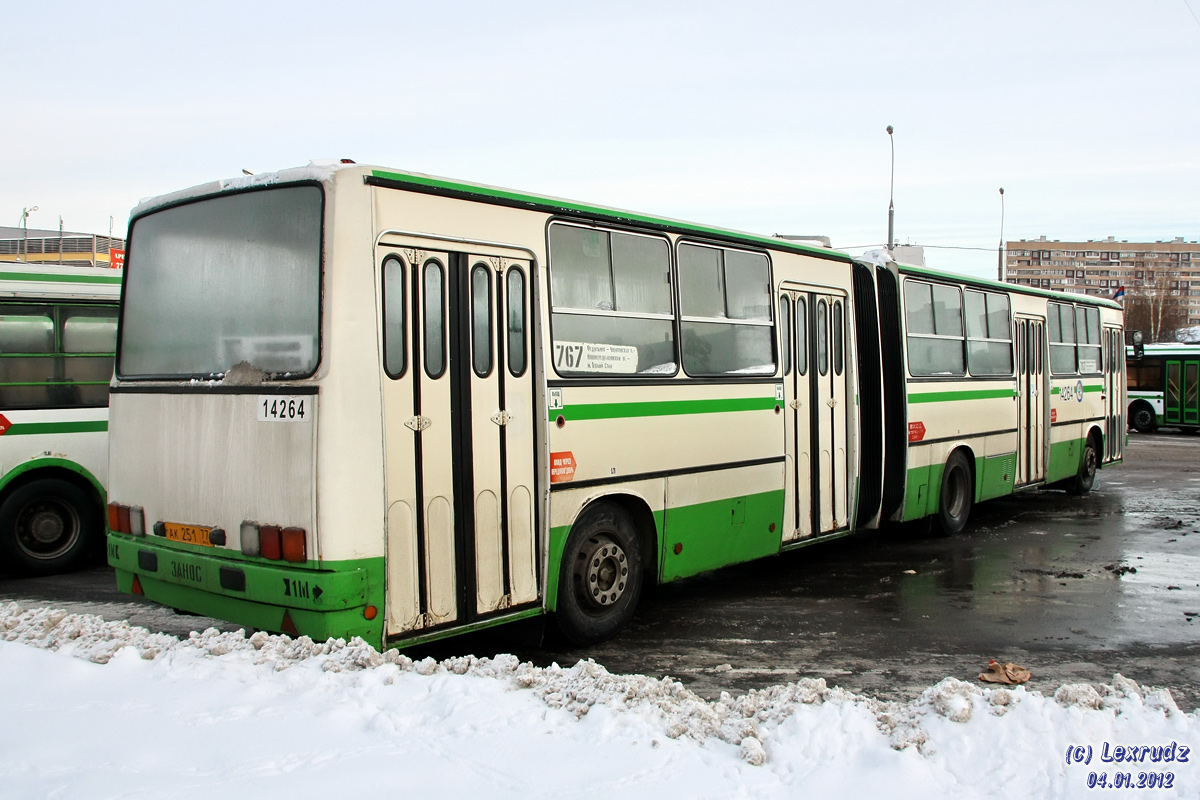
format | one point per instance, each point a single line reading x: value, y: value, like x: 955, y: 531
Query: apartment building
x: 1101, y: 266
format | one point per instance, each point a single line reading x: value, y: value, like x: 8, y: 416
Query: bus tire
x: 1142, y: 418
x: 957, y: 495
x: 1088, y: 464
x: 48, y: 526
x: 601, y: 576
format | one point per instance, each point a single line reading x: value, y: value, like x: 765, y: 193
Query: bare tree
x: 1155, y: 308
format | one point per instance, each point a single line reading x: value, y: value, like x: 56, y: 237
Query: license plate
x: 188, y: 534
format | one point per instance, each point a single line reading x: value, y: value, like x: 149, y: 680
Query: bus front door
x: 813, y: 331
x: 459, y: 428
x: 1033, y: 427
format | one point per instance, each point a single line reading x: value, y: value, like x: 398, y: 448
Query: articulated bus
x: 1164, y: 387
x: 58, y: 334
x: 358, y: 401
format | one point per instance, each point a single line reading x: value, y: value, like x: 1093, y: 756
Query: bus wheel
x: 601, y: 576
x: 1083, y: 482
x: 958, y: 494
x: 1142, y: 418
x: 47, y: 526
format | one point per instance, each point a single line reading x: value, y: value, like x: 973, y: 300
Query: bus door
x: 1181, y: 398
x: 1114, y: 394
x: 459, y: 428
x: 813, y: 335
x: 1033, y: 427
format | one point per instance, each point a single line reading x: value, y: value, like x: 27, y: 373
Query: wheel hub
x: 46, y: 529
x: 603, y: 572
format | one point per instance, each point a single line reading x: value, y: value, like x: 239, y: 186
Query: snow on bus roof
x: 317, y: 170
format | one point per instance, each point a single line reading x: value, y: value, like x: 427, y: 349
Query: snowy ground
x: 95, y: 709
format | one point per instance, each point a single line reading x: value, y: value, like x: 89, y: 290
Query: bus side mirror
x: 1139, y: 348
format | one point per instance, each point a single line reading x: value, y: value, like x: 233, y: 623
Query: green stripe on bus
x: 662, y: 408
x: 567, y: 205
x: 25, y: 276
x: 966, y: 394
x: 30, y: 428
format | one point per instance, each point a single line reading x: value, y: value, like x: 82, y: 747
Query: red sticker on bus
x: 4, y: 424
x: 562, y: 466
x: 1054, y: 415
x: 916, y: 431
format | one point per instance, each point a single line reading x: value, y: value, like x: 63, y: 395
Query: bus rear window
x: 222, y: 282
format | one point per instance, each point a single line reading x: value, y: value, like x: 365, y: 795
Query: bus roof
x: 1168, y: 349
x: 1007, y: 287
x: 60, y: 283
x: 414, y: 181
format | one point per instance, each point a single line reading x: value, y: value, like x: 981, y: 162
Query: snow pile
x: 336, y: 710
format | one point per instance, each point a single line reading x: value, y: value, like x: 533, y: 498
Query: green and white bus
x: 358, y: 401
x: 58, y: 331
x: 1164, y: 387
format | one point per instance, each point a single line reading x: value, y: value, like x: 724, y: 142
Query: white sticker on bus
x: 591, y: 357
x: 284, y: 408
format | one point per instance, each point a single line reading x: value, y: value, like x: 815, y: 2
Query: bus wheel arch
x: 603, y: 569
x: 51, y: 520
x: 1142, y: 417
x: 1089, y: 463
x: 957, y: 495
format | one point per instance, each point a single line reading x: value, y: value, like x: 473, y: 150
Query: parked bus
x: 58, y: 331
x: 1164, y: 387
x: 355, y: 401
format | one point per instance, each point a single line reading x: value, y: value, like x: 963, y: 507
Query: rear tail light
x: 137, y: 521
x: 126, y: 519
x: 274, y: 543
x: 270, y: 538
x: 250, y: 546
x: 293, y: 545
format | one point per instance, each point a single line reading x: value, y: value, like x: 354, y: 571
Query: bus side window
x: 801, y: 336
x: 433, y: 311
x: 785, y: 333
x: 89, y: 335
x: 933, y: 321
x: 1061, y: 328
x: 725, y: 311
x: 515, y: 302
x: 395, y: 350
x: 822, y: 338
x: 989, y: 333
x: 839, y: 338
x: 481, y: 320
x: 1087, y: 324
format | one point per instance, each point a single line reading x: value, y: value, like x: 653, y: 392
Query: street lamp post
x: 1000, y: 249
x: 25, y: 212
x: 891, y: 188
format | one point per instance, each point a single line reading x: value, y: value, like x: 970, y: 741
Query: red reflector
x: 287, y: 626
x: 123, y: 519
x: 370, y: 612
x: 270, y: 542
x: 293, y: 545
x: 136, y: 588
x: 114, y: 520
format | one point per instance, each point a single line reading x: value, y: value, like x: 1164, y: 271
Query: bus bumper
x: 328, y: 603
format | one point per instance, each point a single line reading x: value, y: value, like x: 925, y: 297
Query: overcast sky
x: 764, y: 116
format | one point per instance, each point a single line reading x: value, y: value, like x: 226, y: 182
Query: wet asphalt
x: 1073, y: 588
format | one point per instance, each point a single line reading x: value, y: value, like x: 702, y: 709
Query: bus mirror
x: 1138, y: 344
